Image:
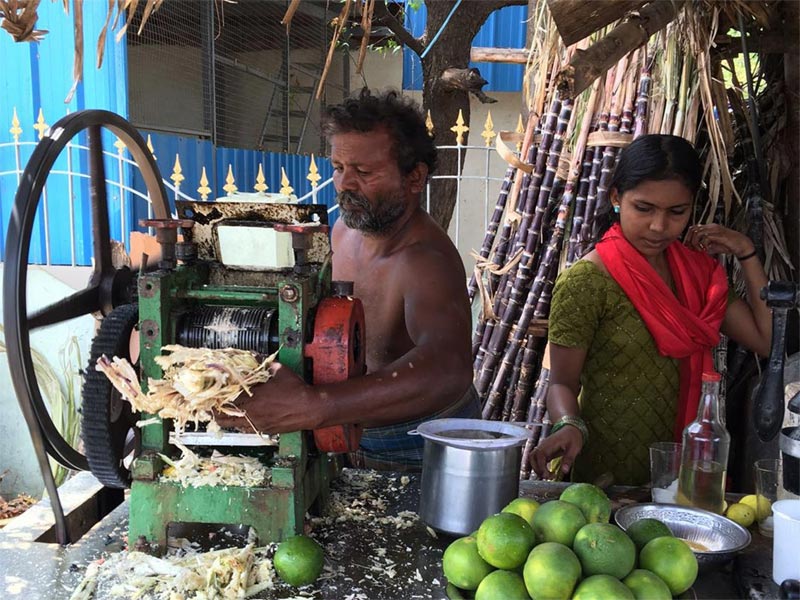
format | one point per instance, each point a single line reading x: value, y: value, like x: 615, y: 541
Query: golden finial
x: 204, y: 190
x: 459, y: 128
x: 313, y: 173
x: 286, y: 189
x: 41, y: 126
x: 119, y: 145
x: 261, y: 182
x: 429, y: 124
x: 229, y: 186
x: 177, y: 172
x: 150, y: 146
x: 520, y: 129
x: 488, y: 130
x: 15, y: 130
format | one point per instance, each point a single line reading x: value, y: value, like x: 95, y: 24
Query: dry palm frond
x: 197, y: 383
x: 338, y: 24
x: 19, y: 19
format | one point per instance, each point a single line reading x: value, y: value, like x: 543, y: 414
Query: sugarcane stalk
x: 645, y: 81
x: 512, y: 384
x: 527, y: 376
x: 591, y: 195
x: 536, y: 412
x: 580, y: 206
x: 683, y: 95
x: 543, y: 306
x: 491, y: 229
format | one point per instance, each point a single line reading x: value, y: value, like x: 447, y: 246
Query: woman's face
x: 653, y: 214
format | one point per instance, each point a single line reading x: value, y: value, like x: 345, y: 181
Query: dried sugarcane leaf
x: 130, y: 6
x: 101, y: 40
x: 19, y: 20
x: 77, y: 69
x: 340, y: 23
x: 287, y: 18
x: 366, y: 30
x: 150, y: 7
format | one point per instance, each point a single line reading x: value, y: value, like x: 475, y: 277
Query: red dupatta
x: 684, y: 327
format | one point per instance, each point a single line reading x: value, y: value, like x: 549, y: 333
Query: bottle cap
x: 711, y: 376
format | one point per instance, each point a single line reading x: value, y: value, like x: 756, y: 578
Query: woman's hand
x: 567, y: 443
x: 716, y: 239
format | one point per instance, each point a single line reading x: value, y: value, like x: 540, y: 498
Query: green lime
x: 463, y: 566
x: 298, y: 560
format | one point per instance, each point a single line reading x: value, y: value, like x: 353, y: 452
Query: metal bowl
x: 721, y: 537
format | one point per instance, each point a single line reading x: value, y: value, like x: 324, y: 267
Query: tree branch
x: 466, y: 80
x: 385, y: 18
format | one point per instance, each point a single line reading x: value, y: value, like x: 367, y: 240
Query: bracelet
x: 746, y: 256
x: 576, y: 422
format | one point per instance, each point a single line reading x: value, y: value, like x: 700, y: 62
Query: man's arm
x: 432, y: 375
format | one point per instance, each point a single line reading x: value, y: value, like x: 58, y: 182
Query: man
x: 410, y: 280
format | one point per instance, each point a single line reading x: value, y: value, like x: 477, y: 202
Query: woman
x: 632, y: 323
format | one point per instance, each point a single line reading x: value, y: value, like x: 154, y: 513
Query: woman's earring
x: 616, y: 208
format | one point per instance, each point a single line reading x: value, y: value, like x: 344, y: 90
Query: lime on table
x: 741, y: 513
x: 558, y: 521
x: 504, y: 540
x: 604, y: 549
x: 524, y: 507
x: 602, y: 587
x: 502, y: 585
x: 298, y: 560
x: 592, y: 501
x: 646, y: 585
x: 551, y: 572
x: 463, y: 566
x: 672, y: 560
x: 644, y: 530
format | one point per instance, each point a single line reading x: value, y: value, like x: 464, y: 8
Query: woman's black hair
x: 652, y: 158
x: 399, y: 115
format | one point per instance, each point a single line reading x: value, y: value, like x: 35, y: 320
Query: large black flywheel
x: 108, y: 287
x: 108, y: 424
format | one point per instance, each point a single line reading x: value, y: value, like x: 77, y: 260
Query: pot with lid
x: 470, y: 470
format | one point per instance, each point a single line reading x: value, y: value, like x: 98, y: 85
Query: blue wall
x: 504, y: 28
x: 39, y: 76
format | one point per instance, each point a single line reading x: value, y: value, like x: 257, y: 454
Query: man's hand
x: 566, y: 443
x: 281, y: 404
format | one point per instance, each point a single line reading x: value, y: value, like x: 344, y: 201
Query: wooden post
x: 587, y: 65
x: 576, y: 19
x: 518, y: 56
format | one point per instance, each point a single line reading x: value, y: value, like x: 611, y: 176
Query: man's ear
x: 417, y: 178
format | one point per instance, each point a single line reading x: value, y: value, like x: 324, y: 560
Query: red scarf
x: 686, y: 326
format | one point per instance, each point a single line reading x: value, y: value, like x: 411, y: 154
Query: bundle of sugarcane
x: 669, y: 86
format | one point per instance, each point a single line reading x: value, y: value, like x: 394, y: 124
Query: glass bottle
x: 704, y: 457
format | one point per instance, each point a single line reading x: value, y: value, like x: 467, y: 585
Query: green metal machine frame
x: 300, y: 474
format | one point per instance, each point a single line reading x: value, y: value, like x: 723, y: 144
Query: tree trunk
x: 452, y: 51
x: 575, y: 19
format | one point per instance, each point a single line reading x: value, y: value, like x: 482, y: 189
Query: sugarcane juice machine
x: 199, y: 297
x: 773, y: 413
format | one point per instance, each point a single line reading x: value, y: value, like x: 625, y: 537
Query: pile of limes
x: 566, y: 548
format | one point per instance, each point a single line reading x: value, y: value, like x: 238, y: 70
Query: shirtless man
x: 410, y: 280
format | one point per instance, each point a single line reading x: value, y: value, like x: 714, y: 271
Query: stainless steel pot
x: 470, y: 470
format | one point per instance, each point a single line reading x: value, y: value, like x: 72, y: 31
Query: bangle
x: 575, y: 422
x: 746, y: 256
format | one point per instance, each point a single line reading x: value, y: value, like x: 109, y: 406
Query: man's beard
x: 368, y: 218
